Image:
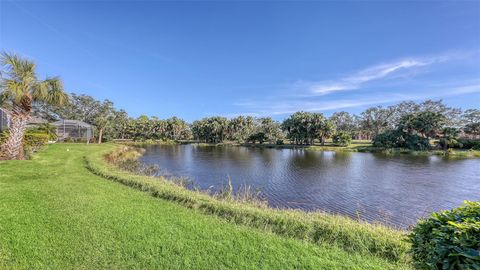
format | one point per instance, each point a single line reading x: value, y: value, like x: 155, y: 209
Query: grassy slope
x: 55, y: 214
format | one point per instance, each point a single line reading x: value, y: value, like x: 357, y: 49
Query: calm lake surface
x: 396, y: 190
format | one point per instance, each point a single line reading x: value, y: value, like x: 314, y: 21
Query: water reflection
x: 393, y: 189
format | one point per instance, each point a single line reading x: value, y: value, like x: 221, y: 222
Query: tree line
x: 407, y: 124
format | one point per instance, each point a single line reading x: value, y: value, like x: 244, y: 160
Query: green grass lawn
x: 54, y: 213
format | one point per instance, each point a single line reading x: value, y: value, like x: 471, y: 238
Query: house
x: 36, y: 121
x: 5, y: 121
x: 73, y: 129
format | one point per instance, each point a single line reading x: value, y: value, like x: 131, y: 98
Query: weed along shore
x: 319, y: 228
x: 58, y: 214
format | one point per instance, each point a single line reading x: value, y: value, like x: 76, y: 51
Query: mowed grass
x: 54, y: 213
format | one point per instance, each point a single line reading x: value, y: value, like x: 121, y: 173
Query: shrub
x: 68, y: 140
x: 449, y: 142
x: 448, y: 239
x: 470, y: 144
x: 33, y: 141
x: 47, y: 128
x: 414, y: 142
x: 260, y: 137
x: 342, y: 139
x: 398, y: 138
x: 3, y: 136
x: 127, y: 159
x: 388, y: 139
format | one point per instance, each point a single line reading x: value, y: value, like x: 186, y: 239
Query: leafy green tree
x: 103, y: 119
x: 211, y: 129
x: 80, y: 107
x: 142, y: 128
x: 471, y: 122
x: 305, y: 127
x: 270, y: 128
x: 426, y: 123
x: 19, y: 90
x: 259, y: 137
x: 344, y: 122
x: 239, y: 128
x: 177, y: 129
x: 471, y: 116
x: 120, y: 124
x: 375, y: 120
x: 342, y: 139
x: 472, y: 129
x: 297, y: 127
x: 324, y: 130
x: 413, y: 131
x: 451, y: 116
x: 449, y: 138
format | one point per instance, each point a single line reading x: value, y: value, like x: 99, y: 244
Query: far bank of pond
x: 363, y: 146
x: 393, y: 189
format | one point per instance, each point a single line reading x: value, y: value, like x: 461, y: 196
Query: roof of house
x: 72, y: 123
x: 35, y: 120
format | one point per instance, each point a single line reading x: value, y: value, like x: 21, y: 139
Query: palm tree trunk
x: 13, y: 146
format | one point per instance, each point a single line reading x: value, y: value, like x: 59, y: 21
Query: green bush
x: 388, y: 139
x: 449, y: 142
x: 47, y: 128
x: 34, y: 141
x: 400, y: 139
x: 414, y: 142
x: 470, y: 144
x: 342, y: 139
x: 69, y: 140
x: 259, y: 136
x: 448, y: 239
x: 3, y: 136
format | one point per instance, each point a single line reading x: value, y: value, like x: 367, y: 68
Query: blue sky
x: 197, y: 59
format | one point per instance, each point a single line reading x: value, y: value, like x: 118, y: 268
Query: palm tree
x: 19, y: 89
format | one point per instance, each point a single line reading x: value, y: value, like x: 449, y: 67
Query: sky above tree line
x: 195, y: 59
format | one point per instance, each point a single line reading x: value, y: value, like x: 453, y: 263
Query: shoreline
x: 356, y: 146
x: 343, y: 231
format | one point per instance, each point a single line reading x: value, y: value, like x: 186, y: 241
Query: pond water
x: 396, y: 190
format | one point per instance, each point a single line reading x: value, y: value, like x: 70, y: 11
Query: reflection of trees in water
x: 394, y: 189
x: 413, y: 161
x: 248, y: 157
x: 305, y: 159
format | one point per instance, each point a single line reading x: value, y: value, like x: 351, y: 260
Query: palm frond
x: 12, y: 90
x: 56, y: 94
x: 18, y: 69
x: 19, y: 84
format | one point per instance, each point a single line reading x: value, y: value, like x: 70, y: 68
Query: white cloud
x: 377, y: 72
x: 281, y: 107
x: 312, y: 96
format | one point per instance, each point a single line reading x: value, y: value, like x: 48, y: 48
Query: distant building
x: 5, y: 121
x: 73, y: 129
x: 36, y: 121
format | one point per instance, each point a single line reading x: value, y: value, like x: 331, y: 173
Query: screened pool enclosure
x: 4, y: 121
x: 73, y: 129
